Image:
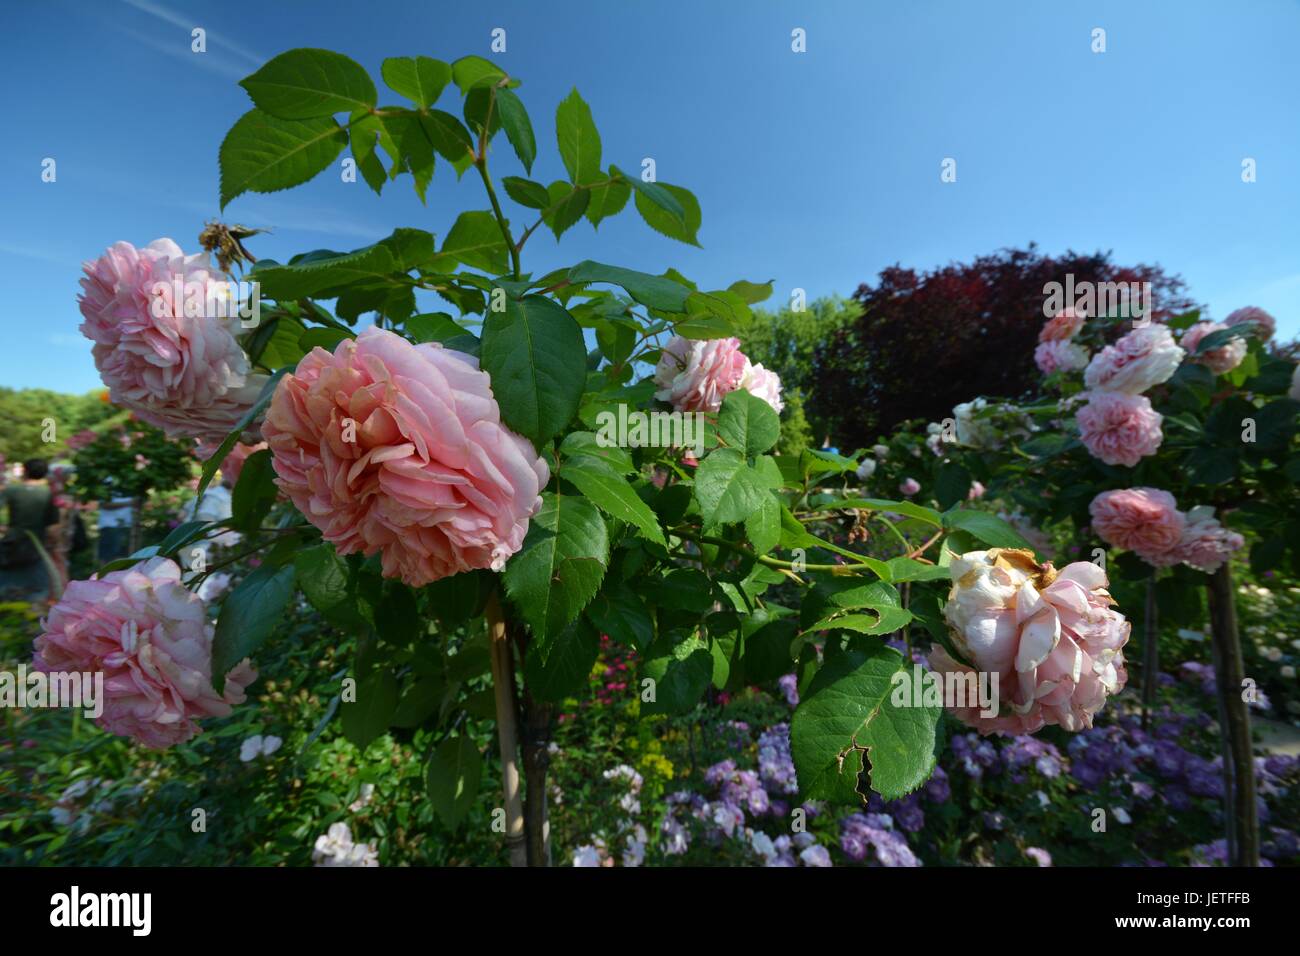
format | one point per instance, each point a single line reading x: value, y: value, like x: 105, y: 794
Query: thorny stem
x: 480, y: 162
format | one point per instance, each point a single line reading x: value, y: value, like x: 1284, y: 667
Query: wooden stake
x: 1239, y: 760
x: 503, y: 685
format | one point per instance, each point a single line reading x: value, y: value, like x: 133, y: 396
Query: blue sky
x: 813, y: 169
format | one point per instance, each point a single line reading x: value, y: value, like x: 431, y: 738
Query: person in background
x: 31, y: 511
x: 114, y: 519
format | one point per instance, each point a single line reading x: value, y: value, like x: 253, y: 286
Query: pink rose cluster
x: 399, y: 449
x: 162, y: 357
x: 695, y: 375
x: 150, y: 638
x: 1054, y: 640
x: 1147, y: 522
x: 1118, y: 424
x: 1057, y: 351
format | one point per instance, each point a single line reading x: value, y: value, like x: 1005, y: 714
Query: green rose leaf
x: 607, y: 199
x: 566, y: 206
x: 537, y: 359
x: 612, y: 494
x: 264, y: 154
x: 655, y: 292
x: 420, y: 79
x: 366, y: 719
x: 471, y: 72
x: 254, y: 493
x: 986, y: 527
x: 728, y: 489
x: 526, y: 192
x: 248, y: 616
x: 681, y: 668
x: 763, y: 527
x: 326, y: 271
x: 659, y: 217
x: 519, y: 129
x: 475, y: 239
x: 748, y: 424
x: 578, y: 139
x: 323, y: 577
x: 620, y: 613
x: 560, y: 567
x: 453, y: 777
x: 308, y: 84
x: 847, y: 711
x: 565, y: 670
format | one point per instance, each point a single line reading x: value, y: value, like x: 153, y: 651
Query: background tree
x: 923, y: 342
x: 786, y: 342
x: 24, y: 412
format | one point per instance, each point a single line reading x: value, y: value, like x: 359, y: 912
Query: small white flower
x: 335, y: 848
x: 363, y: 798
x: 1121, y: 815
x: 259, y: 746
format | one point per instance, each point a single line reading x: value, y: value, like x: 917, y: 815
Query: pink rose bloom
x: 399, y: 449
x: 1265, y: 323
x: 1119, y: 429
x: 181, y: 371
x: 151, y: 639
x: 1060, y: 355
x: 909, y: 486
x: 976, y: 492
x: 1053, y: 638
x: 1223, y: 359
x: 1145, y: 521
x: 1206, y: 544
x: 1146, y: 357
x: 763, y: 383
x: 693, y: 376
x: 1061, y: 327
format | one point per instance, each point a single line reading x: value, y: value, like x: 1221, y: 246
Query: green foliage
x: 785, y: 341
x: 848, y: 714
x: 28, y: 413
x: 726, y: 566
x: 130, y: 461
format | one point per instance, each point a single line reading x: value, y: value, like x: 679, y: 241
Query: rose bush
x: 457, y: 506
x: 1180, y: 456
